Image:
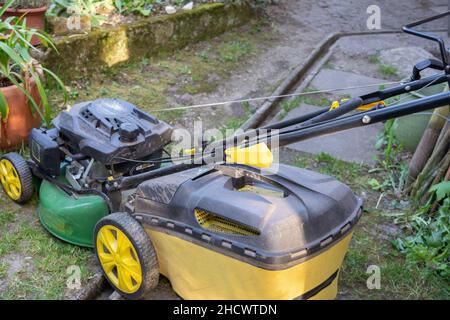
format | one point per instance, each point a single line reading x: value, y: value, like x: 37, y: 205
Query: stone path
x: 328, y: 79
x: 355, y: 145
x: 350, y: 66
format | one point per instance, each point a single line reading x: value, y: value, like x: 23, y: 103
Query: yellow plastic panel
x: 199, y: 273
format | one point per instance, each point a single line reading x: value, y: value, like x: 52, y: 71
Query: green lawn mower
x: 221, y: 223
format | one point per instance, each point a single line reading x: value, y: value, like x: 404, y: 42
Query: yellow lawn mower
x: 221, y: 223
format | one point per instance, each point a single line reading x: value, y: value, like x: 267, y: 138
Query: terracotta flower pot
x: 35, y: 19
x: 21, y: 119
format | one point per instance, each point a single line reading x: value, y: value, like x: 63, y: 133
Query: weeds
x: 401, y: 279
x: 4, y: 266
x: 387, y: 71
x: 391, y: 163
x: 290, y: 104
x: 374, y: 58
x: 428, y: 239
x: 49, y: 259
x: 350, y: 173
x: 235, y: 123
x: 235, y: 51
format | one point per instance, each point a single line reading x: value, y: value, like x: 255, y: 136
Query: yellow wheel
x: 16, y: 177
x: 126, y: 255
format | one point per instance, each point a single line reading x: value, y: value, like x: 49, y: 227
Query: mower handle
x: 409, y: 28
x: 344, y: 108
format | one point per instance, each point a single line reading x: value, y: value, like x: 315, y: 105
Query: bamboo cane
x: 427, y: 142
x: 437, y: 177
x: 439, y: 151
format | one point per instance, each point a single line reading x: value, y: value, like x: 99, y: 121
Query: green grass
x: 374, y: 58
x: 387, y: 71
x: 329, y: 65
x: 354, y: 175
x: 400, y: 279
x: 6, y: 217
x: 288, y: 105
x: 295, y: 102
x: 171, y: 116
x: 42, y: 259
x: 235, y: 50
x: 159, y: 82
x: 4, y: 266
x: 234, y: 123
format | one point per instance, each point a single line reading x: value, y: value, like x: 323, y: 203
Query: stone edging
x: 105, y: 48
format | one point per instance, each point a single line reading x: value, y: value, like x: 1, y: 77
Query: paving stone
x: 354, y: 145
x: 328, y: 79
x: 404, y: 59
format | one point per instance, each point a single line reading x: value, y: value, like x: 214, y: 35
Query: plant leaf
x: 4, y: 108
x: 43, y: 95
x: 5, y: 7
x: 58, y: 81
x: 12, y: 54
x: 442, y: 190
x: 25, y: 92
x: 374, y: 184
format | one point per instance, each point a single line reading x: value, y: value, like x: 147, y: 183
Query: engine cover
x: 110, y: 129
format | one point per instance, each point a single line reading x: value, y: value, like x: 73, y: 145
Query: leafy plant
x: 68, y: 8
x: 374, y: 184
x: 387, y: 140
x: 429, y: 239
x: 442, y: 190
x: 17, y: 67
x: 374, y: 58
x: 142, y: 7
x: 391, y: 162
x: 387, y: 71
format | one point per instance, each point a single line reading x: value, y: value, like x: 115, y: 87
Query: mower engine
x: 99, y: 140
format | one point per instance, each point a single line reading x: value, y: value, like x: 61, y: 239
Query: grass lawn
x: 33, y: 264
x: 175, y: 80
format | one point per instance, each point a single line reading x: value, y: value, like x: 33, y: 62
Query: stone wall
x: 100, y: 49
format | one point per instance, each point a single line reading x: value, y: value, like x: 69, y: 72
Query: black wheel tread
x: 143, y: 245
x: 25, y: 176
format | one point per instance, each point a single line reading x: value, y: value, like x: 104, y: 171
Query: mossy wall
x: 100, y: 49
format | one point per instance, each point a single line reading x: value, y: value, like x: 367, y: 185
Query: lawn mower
x: 217, y: 229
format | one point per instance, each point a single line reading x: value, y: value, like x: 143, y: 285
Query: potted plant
x: 23, y: 99
x: 32, y: 10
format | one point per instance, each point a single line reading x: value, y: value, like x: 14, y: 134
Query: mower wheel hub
x: 10, y: 179
x: 119, y: 259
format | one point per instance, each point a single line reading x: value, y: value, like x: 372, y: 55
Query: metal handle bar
x: 426, y: 35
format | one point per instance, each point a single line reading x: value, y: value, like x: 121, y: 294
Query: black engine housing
x: 110, y: 129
